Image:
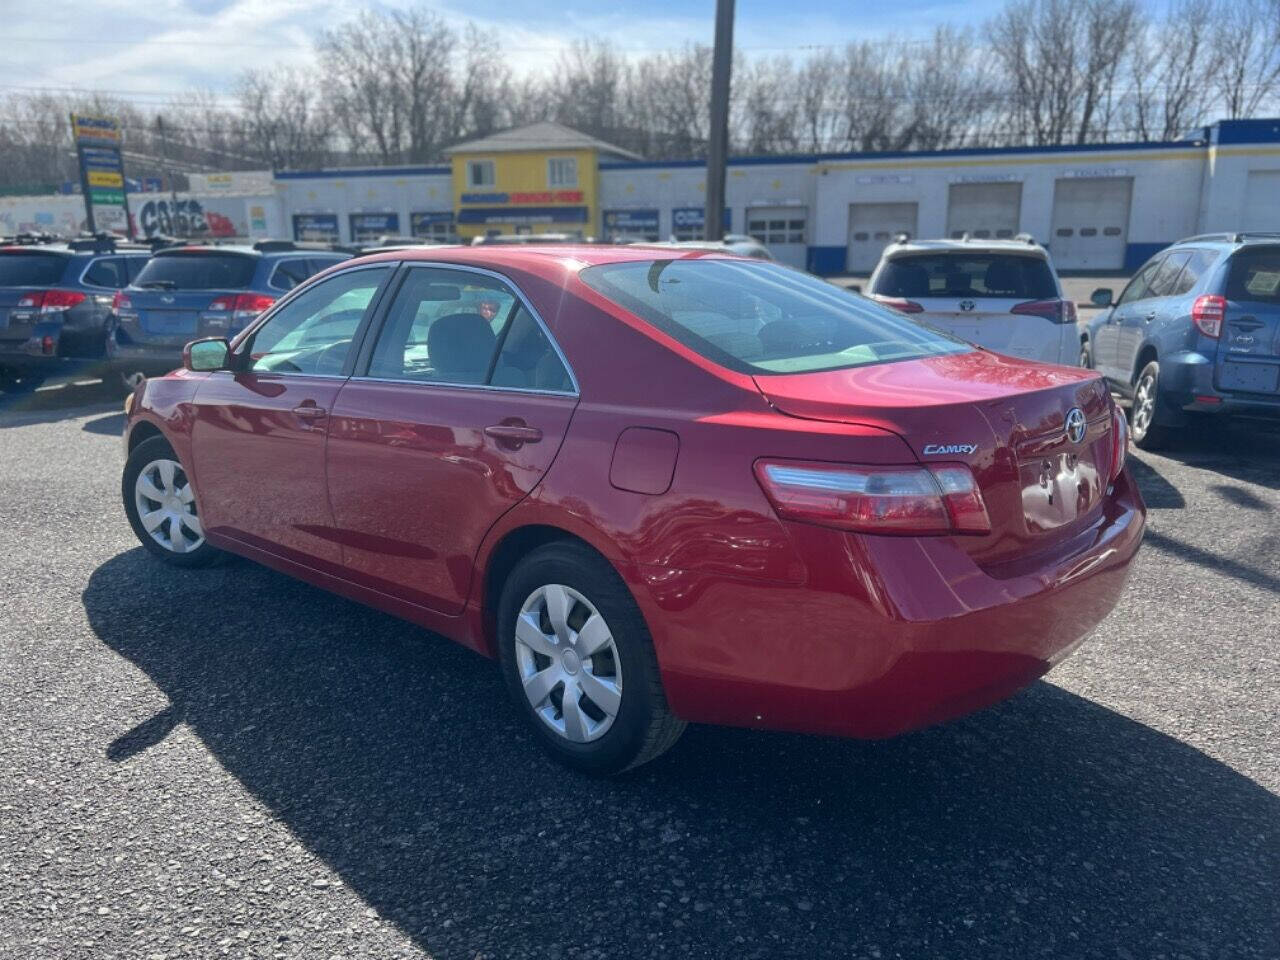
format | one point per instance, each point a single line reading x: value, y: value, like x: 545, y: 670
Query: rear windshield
x: 1255, y: 276
x: 962, y: 274
x: 198, y: 271
x: 30, y: 269
x: 760, y: 318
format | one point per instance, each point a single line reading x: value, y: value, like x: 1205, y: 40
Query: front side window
x: 1137, y: 288
x: 1165, y: 280
x: 313, y: 332
x: 453, y: 326
x: 562, y: 171
x: 480, y: 173
x: 1008, y: 276
x: 760, y: 318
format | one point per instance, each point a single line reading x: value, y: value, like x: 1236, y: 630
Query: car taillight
x: 1207, y: 313
x: 940, y: 499
x: 1119, y: 441
x: 1058, y: 311
x: 51, y: 301
x: 121, y: 302
x: 243, y: 306
x: 899, y: 304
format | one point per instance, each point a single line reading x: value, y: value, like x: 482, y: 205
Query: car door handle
x: 513, y: 433
x: 309, y: 411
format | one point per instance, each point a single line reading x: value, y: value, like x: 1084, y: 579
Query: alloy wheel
x: 568, y: 663
x: 167, y: 506
x: 1144, y: 404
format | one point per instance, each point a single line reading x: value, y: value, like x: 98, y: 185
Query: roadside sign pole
x: 718, y: 141
x: 84, y: 179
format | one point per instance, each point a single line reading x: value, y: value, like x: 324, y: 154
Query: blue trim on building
x: 1136, y: 254
x: 825, y: 261
x: 1245, y: 131
x: 338, y: 174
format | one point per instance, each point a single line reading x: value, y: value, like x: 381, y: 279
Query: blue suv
x: 55, y: 304
x: 1196, y: 331
x: 201, y: 290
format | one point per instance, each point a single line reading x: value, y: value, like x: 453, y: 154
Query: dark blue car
x: 194, y: 291
x: 1196, y: 331
x: 55, y: 305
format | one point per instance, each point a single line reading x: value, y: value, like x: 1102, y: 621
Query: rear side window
x: 967, y: 275
x: 1163, y: 281
x: 107, y: 272
x: 1255, y: 276
x: 31, y: 269
x: 761, y: 318
x: 289, y: 273
x: 198, y: 271
x: 1199, y: 262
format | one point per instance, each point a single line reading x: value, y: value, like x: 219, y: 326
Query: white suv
x: 1000, y: 294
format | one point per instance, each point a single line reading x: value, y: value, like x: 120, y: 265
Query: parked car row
x: 123, y: 311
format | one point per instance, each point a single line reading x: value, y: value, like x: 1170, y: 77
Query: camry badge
x: 937, y: 449
x: 1076, y: 425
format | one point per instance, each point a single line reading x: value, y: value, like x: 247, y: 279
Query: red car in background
x: 658, y: 486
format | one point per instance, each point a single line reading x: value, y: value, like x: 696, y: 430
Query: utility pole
x: 718, y: 142
x: 175, y: 231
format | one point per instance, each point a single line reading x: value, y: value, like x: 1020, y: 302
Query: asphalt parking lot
x: 230, y: 763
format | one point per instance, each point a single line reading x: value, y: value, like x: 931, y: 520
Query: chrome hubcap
x: 167, y: 506
x: 568, y: 663
x: 1144, y: 404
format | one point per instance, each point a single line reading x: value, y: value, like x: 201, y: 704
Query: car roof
x: 1227, y: 241
x: 1020, y: 247
x: 540, y: 257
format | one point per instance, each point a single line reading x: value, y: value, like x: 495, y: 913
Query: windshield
x: 30, y: 269
x: 761, y: 318
x: 197, y: 271
x: 919, y: 276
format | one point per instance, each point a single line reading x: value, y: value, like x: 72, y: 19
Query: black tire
x: 1086, y: 355
x: 643, y: 727
x: 144, y: 454
x: 1145, y: 428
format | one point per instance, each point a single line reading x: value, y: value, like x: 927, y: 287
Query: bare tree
x: 1245, y: 54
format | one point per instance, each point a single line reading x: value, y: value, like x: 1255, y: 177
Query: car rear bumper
x: 1187, y: 383
x: 886, y: 634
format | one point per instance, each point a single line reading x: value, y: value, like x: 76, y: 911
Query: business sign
x: 1092, y: 173
x: 525, y: 215
x: 102, y: 179
x: 370, y: 226
x: 316, y: 226
x: 871, y: 179
x: 985, y: 178
x: 431, y: 223
x: 694, y: 218
x: 188, y: 218
x: 631, y: 223
x: 540, y: 196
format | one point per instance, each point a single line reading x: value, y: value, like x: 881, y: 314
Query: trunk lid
x: 1003, y: 417
x: 22, y: 272
x: 172, y: 300
x: 1248, y: 353
x: 990, y: 322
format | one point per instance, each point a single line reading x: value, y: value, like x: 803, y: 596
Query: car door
x: 258, y: 434
x: 458, y: 409
x: 1106, y: 339
x: 1145, y: 313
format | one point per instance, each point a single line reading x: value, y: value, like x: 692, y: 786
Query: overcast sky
x: 147, y: 50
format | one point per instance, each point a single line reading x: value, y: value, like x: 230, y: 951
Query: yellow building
x: 540, y: 178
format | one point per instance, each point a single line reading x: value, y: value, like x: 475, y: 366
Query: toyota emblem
x: 967, y: 305
x: 1076, y: 425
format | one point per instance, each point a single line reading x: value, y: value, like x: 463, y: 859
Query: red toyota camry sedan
x: 657, y: 486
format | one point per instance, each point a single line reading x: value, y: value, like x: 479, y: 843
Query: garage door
x: 983, y: 210
x: 1262, y: 202
x: 783, y: 230
x: 1090, y: 222
x: 871, y: 227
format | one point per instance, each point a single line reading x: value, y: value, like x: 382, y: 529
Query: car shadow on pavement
x: 1047, y: 826
x: 60, y: 402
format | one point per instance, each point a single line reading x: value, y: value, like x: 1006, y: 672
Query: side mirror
x: 1102, y: 297
x: 211, y: 353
